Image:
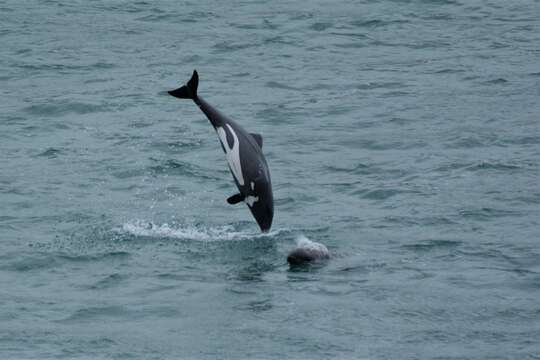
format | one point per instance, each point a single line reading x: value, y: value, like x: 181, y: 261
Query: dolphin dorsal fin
x: 258, y: 139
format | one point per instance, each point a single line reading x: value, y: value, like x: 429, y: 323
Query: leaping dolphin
x: 244, y: 155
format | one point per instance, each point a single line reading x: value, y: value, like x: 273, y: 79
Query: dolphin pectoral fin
x: 258, y: 139
x: 235, y: 199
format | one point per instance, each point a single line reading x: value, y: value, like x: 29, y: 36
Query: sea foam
x: 190, y: 232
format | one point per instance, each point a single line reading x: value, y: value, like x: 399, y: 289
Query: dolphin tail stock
x: 188, y: 91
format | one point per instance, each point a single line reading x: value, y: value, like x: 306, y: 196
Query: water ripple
x: 62, y: 108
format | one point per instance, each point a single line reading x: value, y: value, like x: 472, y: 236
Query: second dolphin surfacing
x: 307, y: 251
x: 244, y: 156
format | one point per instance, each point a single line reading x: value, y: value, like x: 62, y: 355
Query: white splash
x: 189, y: 232
x: 304, y: 243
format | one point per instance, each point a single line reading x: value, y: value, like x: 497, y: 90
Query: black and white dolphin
x: 244, y: 155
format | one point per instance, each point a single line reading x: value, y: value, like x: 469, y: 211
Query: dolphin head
x: 300, y: 256
x: 307, y: 251
x: 263, y: 208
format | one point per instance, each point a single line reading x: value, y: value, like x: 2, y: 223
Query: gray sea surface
x: 403, y: 135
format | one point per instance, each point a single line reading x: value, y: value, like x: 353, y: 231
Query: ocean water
x: 402, y: 135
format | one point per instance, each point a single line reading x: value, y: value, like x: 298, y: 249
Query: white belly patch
x: 232, y: 154
x: 250, y: 200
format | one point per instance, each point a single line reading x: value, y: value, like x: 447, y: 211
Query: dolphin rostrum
x: 244, y: 155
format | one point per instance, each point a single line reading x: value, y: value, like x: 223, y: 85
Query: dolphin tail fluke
x: 188, y: 91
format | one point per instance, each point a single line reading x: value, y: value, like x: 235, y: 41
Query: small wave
x: 191, y: 232
x: 351, y: 35
x: 381, y: 194
x: 168, y: 17
x: 487, y: 213
x: 97, y: 312
x: 377, y: 23
x: 51, y: 153
x: 226, y: 47
x: 498, y: 81
x: 101, y: 256
x: 321, y: 26
x: 449, y: 71
x: 176, y: 146
x: 180, y: 168
x: 65, y: 67
x: 41, y: 260
x: 381, y: 85
x: 278, y: 85
x: 62, y: 108
x: 108, y: 282
x: 523, y: 140
x: 486, y: 165
x: 358, y: 169
x: 30, y: 263
x: 432, y: 244
x: 469, y: 142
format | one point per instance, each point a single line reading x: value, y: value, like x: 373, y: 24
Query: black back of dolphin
x: 244, y: 154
